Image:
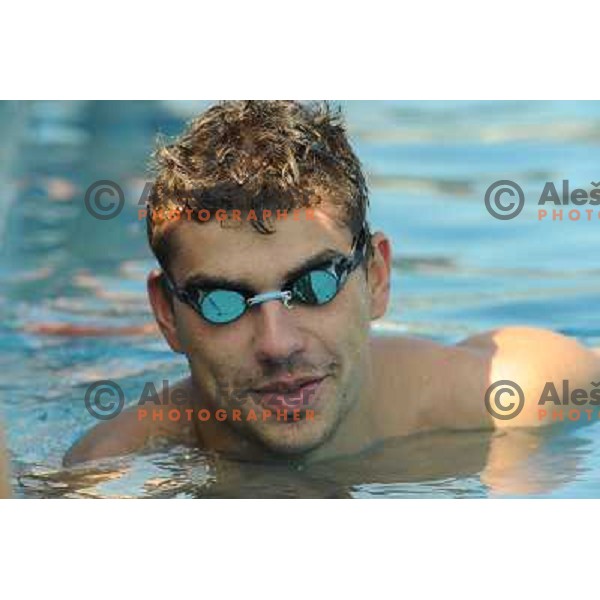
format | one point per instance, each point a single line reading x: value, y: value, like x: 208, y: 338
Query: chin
x: 295, y: 439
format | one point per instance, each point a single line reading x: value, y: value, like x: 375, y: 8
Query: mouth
x: 289, y: 394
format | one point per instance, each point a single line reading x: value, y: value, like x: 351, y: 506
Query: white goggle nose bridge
x: 284, y: 296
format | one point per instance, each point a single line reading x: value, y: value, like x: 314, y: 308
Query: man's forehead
x: 243, y: 252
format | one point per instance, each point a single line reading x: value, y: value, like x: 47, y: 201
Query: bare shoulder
x: 534, y: 358
x: 121, y: 435
x: 451, y: 381
x: 430, y: 380
x: 534, y: 351
x: 387, y: 350
x: 416, y: 360
x: 127, y: 432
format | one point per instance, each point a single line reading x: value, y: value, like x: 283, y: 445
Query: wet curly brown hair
x: 256, y: 155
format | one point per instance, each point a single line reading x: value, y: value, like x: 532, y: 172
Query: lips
x: 287, y: 386
x: 290, y: 394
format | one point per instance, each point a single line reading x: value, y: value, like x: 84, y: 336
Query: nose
x: 276, y: 337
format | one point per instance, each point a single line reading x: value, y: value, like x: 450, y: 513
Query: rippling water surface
x: 457, y: 271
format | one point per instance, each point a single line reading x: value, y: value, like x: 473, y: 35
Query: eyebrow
x: 205, y: 281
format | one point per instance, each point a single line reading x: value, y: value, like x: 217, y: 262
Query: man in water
x: 270, y: 278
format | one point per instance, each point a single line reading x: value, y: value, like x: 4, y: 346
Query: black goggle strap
x: 167, y: 281
x: 359, y: 247
x: 344, y: 266
x: 180, y: 294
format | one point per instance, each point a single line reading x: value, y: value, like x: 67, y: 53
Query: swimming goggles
x: 316, y: 286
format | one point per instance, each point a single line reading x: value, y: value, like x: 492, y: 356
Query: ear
x: 162, y: 307
x: 379, y: 270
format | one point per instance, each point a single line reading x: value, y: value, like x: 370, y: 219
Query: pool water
x: 457, y: 271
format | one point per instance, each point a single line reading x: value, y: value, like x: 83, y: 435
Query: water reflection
x: 441, y: 465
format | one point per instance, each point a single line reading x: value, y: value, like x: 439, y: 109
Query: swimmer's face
x: 274, y: 359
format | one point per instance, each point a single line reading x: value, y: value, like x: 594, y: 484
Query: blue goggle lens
x: 222, y: 306
x: 316, y: 287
